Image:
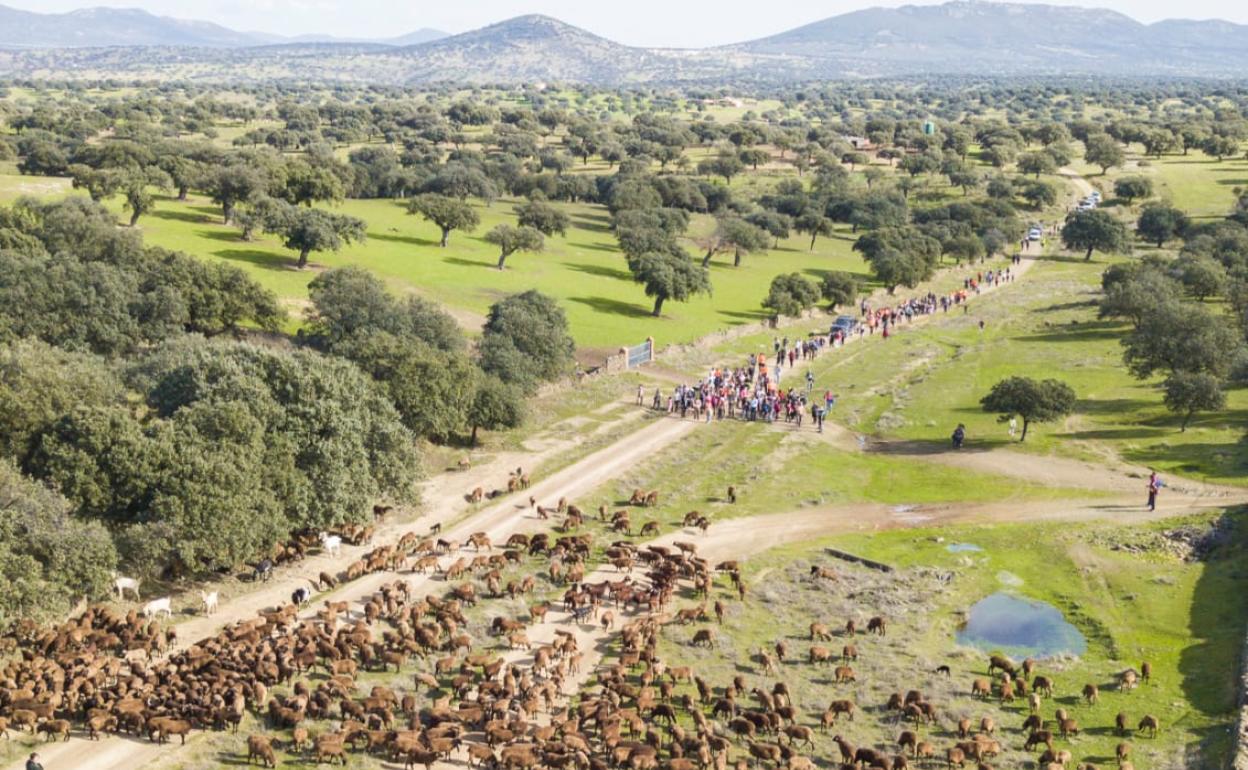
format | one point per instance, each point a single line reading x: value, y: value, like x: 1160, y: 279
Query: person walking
x: 658, y: 399
x: 33, y: 763
x: 1154, y: 486
x: 641, y: 394
x: 1013, y: 425
x: 810, y: 381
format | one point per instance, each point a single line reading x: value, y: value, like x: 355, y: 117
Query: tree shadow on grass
x: 745, y: 316
x: 1114, y: 434
x: 180, y: 216
x: 1197, y: 459
x: 1216, y: 621
x: 920, y: 448
x: 602, y: 271
x: 588, y: 223
x: 1092, y: 331
x: 212, y: 212
x: 595, y: 247
x: 408, y: 239
x: 262, y: 259
x: 1122, y: 406
x: 470, y: 262
x: 613, y: 306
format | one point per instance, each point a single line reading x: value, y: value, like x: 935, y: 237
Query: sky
x: 669, y: 23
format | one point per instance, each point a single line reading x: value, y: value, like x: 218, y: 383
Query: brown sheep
x: 820, y: 632
x: 704, y: 637
x: 844, y: 674
x: 1150, y: 725
x: 1120, y: 723
x: 1091, y: 693
x: 260, y: 747
x: 908, y: 739
x: 877, y: 625
x: 845, y: 707
x: 55, y: 728
x: 796, y: 733
x: 981, y: 687
x: 819, y: 655
x: 955, y: 756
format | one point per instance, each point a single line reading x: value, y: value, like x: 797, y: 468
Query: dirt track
x: 729, y: 539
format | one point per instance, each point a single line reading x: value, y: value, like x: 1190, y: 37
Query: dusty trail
x: 498, y: 520
x: 735, y: 538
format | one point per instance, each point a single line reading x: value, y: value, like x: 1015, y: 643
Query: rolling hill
x: 963, y: 37
x: 99, y: 27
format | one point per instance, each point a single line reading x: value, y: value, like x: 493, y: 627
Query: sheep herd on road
x: 524, y: 698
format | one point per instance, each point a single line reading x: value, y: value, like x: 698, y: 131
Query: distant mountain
x: 525, y: 48
x: 109, y: 26
x: 963, y: 37
x: 973, y: 37
x: 422, y: 35
x: 98, y: 27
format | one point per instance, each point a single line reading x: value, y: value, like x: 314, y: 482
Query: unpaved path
x: 498, y: 520
x: 1077, y: 179
x: 443, y: 495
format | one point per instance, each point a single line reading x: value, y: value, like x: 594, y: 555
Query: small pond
x: 963, y: 548
x: 1019, y: 626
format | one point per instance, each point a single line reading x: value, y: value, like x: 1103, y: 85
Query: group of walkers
x: 751, y: 392
x: 754, y: 391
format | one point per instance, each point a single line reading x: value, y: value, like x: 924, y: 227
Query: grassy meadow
x: 1182, y: 616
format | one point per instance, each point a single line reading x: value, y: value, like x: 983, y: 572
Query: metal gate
x: 641, y: 354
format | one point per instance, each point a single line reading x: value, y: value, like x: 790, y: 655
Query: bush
x: 791, y: 294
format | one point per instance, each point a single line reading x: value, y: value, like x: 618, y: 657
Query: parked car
x: 1035, y: 234
x: 844, y: 324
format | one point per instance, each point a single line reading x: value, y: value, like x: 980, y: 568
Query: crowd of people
x: 754, y: 391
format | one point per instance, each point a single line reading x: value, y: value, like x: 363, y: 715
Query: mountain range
x: 94, y: 27
x: 962, y: 37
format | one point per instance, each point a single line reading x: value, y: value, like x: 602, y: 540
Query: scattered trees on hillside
x: 1133, y: 188
x: 525, y: 340
x: 1190, y: 392
x: 736, y: 235
x: 839, y: 288
x: 306, y: 230
x: 791, y: 294
x: 511, y: 239
x: 1104, y: 151
x: 1160, y: 222
x: 899, y: 256
x: 668, y: 274
x: 543, y: 217
x: 1032, y: 400
x: 447, y: 213
x: 1095, y: 230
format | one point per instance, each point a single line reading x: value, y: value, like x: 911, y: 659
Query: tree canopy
x: 1032, y: 400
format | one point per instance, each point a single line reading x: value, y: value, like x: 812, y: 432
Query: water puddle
x: 1018, y: 626
x: 963, y: 548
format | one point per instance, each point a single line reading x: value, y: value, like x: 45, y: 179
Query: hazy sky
x: 681, y: 23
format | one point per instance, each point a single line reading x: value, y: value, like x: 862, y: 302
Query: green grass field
x: 1183, y: 617
x: 583, y: 270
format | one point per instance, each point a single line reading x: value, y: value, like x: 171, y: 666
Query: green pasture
x: 922, y: 382
x: 1185, y: 617
x: 584, y: 270
x: 779, y: 467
